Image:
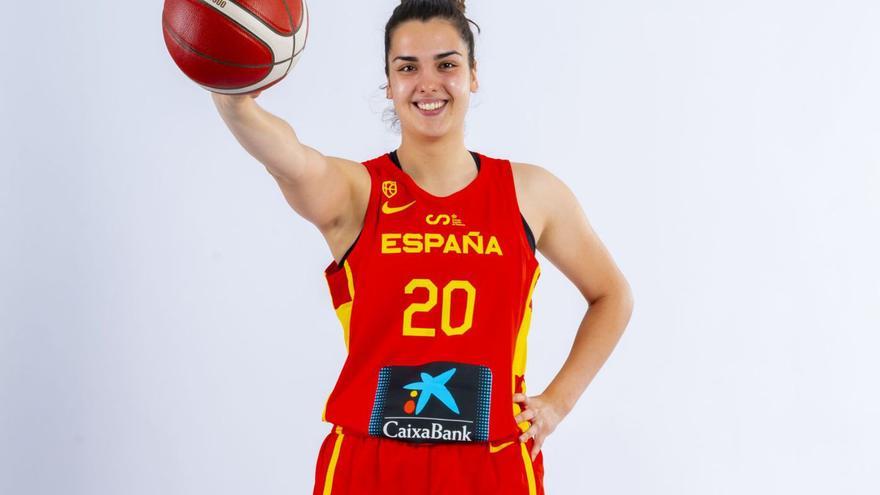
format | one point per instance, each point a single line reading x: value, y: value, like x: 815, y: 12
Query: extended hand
x: 543, y: 414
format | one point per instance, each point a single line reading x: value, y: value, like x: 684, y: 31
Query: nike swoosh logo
x: 394, y: 209
x: 497, y: 448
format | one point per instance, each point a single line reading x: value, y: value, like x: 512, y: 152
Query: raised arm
x: 329, y: 192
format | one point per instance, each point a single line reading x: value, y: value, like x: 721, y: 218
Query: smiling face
x: 429, y: 78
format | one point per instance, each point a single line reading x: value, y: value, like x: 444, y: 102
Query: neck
x: 440, y: 163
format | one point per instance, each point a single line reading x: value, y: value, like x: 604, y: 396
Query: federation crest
x: 389, y: 188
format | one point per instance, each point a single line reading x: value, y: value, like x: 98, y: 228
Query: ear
x: 475, y: 83
x: 388, y: 94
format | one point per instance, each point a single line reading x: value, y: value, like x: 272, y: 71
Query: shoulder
x: 536, y: 181
x: 539, y: 193
x: 531, y: 174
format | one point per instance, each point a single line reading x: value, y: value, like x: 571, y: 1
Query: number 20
x: 421, y: 307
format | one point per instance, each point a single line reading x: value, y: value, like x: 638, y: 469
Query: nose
x: 428, y: 82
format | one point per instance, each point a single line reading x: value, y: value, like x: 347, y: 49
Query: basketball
x: 235, y: 46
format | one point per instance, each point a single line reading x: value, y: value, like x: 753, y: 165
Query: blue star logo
x: 434, y: 386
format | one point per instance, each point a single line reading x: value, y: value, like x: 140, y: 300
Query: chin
x: 432, y: 133
x: 438, y: 129
x: 426, y: 131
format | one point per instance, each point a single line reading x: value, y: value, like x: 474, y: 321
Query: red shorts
x: 350, y: 464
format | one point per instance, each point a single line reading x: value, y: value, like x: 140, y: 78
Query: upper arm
x: 570, y: 243
x: 329, y: 192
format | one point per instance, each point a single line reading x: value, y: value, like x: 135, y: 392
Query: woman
x: 432, y: 280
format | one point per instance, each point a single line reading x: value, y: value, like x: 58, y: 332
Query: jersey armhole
x: 526, y: 230
x: 529, y: 235
x: 334, y: 265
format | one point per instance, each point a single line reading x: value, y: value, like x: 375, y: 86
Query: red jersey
x: 434, y: 298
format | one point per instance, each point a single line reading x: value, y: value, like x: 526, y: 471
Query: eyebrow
x: 436, y: 57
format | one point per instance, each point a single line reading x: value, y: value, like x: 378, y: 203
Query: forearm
x: 598, y: 334
x: 268, y: 138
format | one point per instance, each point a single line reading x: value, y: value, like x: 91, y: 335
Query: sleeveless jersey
x: 434, y: 298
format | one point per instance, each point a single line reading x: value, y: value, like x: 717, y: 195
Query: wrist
x: 230, y: 104
x: 561, y: 401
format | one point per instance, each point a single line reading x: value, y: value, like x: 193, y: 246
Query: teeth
x: 431, y: 106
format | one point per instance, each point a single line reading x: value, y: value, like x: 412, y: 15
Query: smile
x: 431, y: 108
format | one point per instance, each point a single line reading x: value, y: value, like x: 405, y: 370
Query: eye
x: 404, y: 68
x: 448, y: 65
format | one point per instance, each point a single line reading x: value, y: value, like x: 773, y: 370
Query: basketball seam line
x: 303, y: 16
x: 256, y: 36
x: 187, y: 46
x: 256, y: 16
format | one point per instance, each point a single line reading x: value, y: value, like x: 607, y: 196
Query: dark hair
x: 425, y: 10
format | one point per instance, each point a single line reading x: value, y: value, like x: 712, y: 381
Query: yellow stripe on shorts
x: 530, y: 474
x: 331, y: 468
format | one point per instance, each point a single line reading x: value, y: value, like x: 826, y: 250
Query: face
x: 429, y: 78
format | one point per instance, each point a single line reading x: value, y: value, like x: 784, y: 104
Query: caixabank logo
x: 433, y: 402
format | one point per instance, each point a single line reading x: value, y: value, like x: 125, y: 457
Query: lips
x: 430, y: 107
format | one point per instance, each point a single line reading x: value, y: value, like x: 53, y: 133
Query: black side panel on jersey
x: 529, y: 233
x: 342, y: 260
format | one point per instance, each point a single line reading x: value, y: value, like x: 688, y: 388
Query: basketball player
x: 432, y: 278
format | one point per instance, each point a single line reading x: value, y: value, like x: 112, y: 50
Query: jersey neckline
x: 478, y: 159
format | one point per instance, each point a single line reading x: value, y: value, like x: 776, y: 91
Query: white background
x: 165, y: 327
